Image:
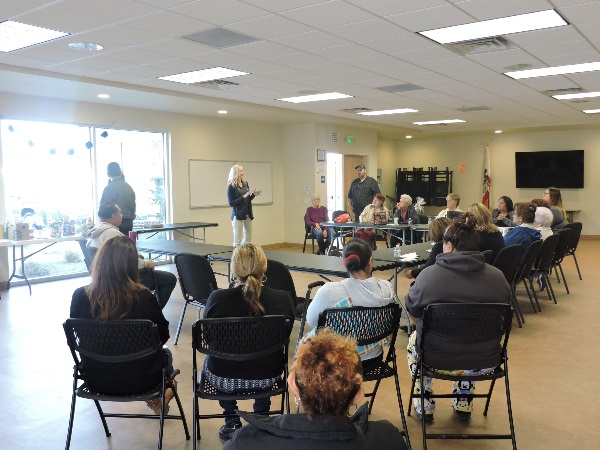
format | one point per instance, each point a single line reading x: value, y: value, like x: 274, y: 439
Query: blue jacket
x: 240, y: 209
x: 522, y: 235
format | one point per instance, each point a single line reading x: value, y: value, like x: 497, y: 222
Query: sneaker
x: 226, y: 431
x: 541, y: 283
x: 428, y: 417
x: 462, y: 415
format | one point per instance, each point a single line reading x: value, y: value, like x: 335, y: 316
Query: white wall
x: 452, y: 151
x: 192, y: 137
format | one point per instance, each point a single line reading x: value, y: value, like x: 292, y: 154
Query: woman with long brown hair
x: 247, y: 298
x: 115, y: 293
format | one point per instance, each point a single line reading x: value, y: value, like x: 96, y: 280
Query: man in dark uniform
x: 362, y: 190
x: 119, y: 192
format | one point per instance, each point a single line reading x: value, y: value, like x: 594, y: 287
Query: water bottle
x: 397, y: 251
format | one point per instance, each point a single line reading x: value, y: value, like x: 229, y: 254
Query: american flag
x: 487, y: 179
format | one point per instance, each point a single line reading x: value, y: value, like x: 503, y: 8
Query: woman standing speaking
x: 240, y: 196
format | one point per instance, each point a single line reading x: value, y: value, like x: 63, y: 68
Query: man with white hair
x: 543, y: 220
x: 405, y: 213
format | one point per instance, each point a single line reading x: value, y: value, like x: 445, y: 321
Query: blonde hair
x: 454, y: 197
x: 248, y: 265
x: 437, y: 228
x: 234, y: 175
x: 484, y: 218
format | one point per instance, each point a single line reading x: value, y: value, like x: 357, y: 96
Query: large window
x: 54, y: 173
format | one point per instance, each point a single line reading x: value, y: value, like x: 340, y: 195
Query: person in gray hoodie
x: 110, y: 216
x: 360, y: 289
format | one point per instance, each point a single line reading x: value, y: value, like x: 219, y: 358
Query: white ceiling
x: 348, y: 46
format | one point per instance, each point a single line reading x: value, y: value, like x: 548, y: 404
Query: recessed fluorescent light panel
x: 591, y: 111
x: 104, y: 96
x: 574, y: 96
x: 388, y: 111
x: 315, y: 97
x: 439, y: 122
x: 496, y: 27
x: 15, y: 35
x: 200, y: 76
x: 558, y: 70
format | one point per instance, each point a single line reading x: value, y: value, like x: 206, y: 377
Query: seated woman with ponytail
x: 247, y: 298
x: 360, y: 289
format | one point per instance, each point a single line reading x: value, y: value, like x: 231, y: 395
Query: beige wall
x: 452, y: 151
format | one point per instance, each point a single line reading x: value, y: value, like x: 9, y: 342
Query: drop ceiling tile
x: 61, y: 20
x: 299, y: 59
x: 400, y: 43
x: 76, y: 69
x: 168, y: 23
x: 52, y: 53
x: 311, y: 41
x: 420, y: 56
x: 330, y: 68
x: 499, y: 60
x: 548, y: 83
x: 223, y: 12
x: 559, y: 49
x: 107, y: 10
x: 367, y: 30
x: 256, y: 67
x: 13, y: 10
x: 297, y: 75
x: 262, y: 50
x: 591, y: 29
x: 100, y: 63
x: 428, y: 19
x: 269, y: 27
x: 137, y: 55
x: 328, y: 14
x: 589, y: 81
x: 583, y: 13
x: 180, y: 65
x: 388, y: 8
x: 15, y: 59
x: 282, y: 5
x: 166, y: 4
x: 345, y: 52
x: 485, y: 10
x: 575, y: 58
x: 177, y: 48
x: 545, y: 37
x: 271, y: 83
x: 119, y: 35
x: 220, y: 58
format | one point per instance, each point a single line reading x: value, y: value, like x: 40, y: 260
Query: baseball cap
x: 360, y: 166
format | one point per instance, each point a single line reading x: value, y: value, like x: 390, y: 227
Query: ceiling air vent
x: 356, y: 110
x: 394, y: 89
x: 474, y: 108
x: 573, y: 90
x: 334, y: 138
x: 218, y: 84
x: 476, y: 46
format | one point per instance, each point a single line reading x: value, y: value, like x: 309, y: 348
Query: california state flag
x: 487, y: 180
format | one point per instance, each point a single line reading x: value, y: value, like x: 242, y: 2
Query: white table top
x: 44, y: 240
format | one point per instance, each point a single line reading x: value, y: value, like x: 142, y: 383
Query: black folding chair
x: 368, y: 326
x: 125, y: 348
x: 465, y: 327
x: 86, y: 258
x: 305, y: 305
x: 197, y: 281
x: 308, y: 234
x: 543, y: 263
x: 280, y: 278
x: 242, y: 339
x: 575, y: 227
x: 488, y: 254
x: 528, y: 260
x: 340, y: 234
x: 507, y: 261
x: 564, y: 238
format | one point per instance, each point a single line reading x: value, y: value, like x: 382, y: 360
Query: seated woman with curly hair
x: 326, y: 381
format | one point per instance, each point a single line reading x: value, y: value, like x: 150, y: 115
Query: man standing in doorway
x: 362, y: 190
x: 119, y: 192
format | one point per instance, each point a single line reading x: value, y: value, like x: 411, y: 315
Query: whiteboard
x: 208, y: 181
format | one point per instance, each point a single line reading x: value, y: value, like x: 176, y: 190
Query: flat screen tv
x: 563, y: 169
